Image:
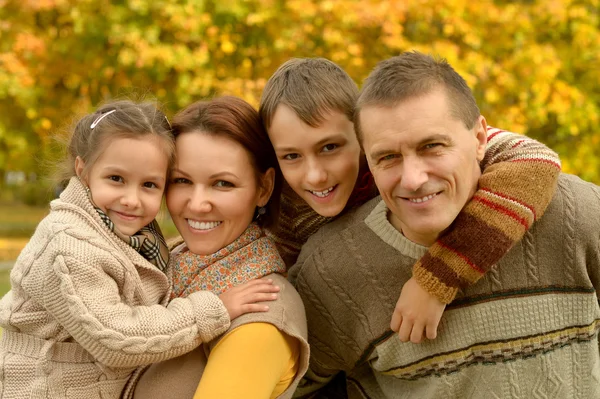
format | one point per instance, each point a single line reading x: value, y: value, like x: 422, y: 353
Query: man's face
x: 319, y: 163
x: 425, y: 162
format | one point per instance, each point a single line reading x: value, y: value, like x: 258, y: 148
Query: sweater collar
x: 378, y: 221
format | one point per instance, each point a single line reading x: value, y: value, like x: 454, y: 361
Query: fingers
x: 259, y: 297
x: 253, y: 308
x: 431, y: 330
x: 396, y: 320
x: 405, y: 330
x: 416, y: 335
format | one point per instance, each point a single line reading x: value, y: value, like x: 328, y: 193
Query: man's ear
x: 267, y: 183
x: 481, y: 136
x: 79, y: 167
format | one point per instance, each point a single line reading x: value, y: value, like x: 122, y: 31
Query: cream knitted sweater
x: 86, y: 309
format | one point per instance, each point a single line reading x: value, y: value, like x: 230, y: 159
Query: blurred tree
x: 530, y: 63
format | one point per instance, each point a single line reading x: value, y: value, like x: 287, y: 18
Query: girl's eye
x: 329, y: 147
x: 116, y: 178
x: 291, y: 157
x: 149, y: 184
x: 180, y: 180
x: 223, y: 184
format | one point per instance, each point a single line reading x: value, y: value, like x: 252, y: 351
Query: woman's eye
x: 291, y: 157
x: 223, y: 184
x: 329, y: 147
x: 116, y: 178
x: 180, y: 180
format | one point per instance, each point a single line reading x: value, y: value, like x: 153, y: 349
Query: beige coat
x: 85, y: 310
x: 179, y: 377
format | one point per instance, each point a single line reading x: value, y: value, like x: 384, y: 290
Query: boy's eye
x: 329, y: 147
x: 223, y: 184
x: 291, y: 157
x: 180, y: 180
x: 431, y: 145
x: 116, y: 178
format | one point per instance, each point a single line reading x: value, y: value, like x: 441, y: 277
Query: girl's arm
x: 255, y: 360
x: 517, y: 184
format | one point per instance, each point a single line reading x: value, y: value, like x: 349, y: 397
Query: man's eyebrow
x: 436, y: 137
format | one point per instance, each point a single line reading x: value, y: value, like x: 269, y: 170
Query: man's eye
x: 180, y: 180
x: 329, y: 147
x: 291, y: 157
x: 223, y: 184
x: 388, y: 157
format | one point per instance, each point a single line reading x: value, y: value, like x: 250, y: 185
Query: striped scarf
x: 148, y: 241
x: 251, y: 256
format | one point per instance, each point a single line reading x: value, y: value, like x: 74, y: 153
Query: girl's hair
x: 118, y: 119
x: 235, y: 119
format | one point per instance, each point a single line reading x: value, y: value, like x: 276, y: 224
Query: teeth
x: 202, y: 225
x: 422, y: 199
x: 322, y: 193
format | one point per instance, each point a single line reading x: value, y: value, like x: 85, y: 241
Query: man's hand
x: 243, y: 298
x: 417, y: 313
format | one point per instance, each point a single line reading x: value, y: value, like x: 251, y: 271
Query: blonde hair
x: 118, y: 119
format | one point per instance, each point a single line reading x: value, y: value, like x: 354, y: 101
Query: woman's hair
x: 118, y: 119
x: 235, y: 119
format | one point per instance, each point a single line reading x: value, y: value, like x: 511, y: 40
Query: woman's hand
x: 243, y: 299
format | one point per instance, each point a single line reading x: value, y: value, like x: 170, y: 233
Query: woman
x: 223, y: 191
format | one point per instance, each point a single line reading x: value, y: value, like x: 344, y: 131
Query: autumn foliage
x: 534, y: 65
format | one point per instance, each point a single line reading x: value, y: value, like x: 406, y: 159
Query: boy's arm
x: 517, y: 184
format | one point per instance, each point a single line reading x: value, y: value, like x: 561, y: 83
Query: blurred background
x: 533, y: 65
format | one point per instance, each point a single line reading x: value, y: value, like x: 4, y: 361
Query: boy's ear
x: 79, y: 167
x: 266, y: 187
x: 481, y: 136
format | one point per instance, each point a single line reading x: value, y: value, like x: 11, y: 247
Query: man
x: 528, y: 328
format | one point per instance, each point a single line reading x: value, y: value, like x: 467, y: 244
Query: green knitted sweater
x: 527, y: 329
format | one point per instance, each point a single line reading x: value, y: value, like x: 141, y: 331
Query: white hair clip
x: 98, y: 119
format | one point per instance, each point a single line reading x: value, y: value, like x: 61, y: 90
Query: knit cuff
x: 433, y: 285
x: 212, y: 317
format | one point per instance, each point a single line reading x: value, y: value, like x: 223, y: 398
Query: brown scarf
x: 252, y: 255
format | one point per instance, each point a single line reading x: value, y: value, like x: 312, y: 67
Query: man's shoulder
x: 331, y: 232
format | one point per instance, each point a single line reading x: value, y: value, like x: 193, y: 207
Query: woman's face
x: 213, y: 192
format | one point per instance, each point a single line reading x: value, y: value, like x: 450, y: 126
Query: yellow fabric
x: 255, y: 360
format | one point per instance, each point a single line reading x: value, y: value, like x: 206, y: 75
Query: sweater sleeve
x: 85, y: 299
x: 518, y: 181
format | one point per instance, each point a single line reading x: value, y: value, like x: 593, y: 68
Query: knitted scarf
x: 251, y: 256
x: 148, y: 241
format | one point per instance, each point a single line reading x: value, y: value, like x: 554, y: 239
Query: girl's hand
x: 243, y: 299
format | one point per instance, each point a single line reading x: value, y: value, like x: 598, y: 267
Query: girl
x: 88, y: 291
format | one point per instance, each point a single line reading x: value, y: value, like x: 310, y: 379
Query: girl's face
x: 319, y: 163
x: 127, y: 181
x: 214, y: 191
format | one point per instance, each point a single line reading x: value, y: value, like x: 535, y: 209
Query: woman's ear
x: 267, y: 183
x: 79, y: 167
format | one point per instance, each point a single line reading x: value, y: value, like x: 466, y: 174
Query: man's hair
x: 413, y: 74
x: 311, y: 87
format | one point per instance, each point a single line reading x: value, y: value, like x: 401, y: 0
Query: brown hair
x: 414, y: 74
x: 119, y: 119
x: 311, y: 87
x: 237, y: 120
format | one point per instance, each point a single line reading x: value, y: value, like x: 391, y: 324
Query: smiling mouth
x: 324, y: 193
x: 126, y: 216
x: 422, y: 199
x: 202, y: 225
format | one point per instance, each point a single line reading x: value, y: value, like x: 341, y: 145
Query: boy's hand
x: 243, y: 298
x: 417, y: 313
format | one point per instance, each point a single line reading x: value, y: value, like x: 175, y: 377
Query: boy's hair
x: 235, y: 119
x: 118, y: 119
x: 413, y: 74
x: 311, y: 87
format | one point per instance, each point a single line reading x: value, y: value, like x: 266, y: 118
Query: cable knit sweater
x: 527, y: 329
x: 85, y: 309
x: 518, y: 180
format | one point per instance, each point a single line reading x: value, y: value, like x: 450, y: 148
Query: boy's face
x: 319, y: 163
